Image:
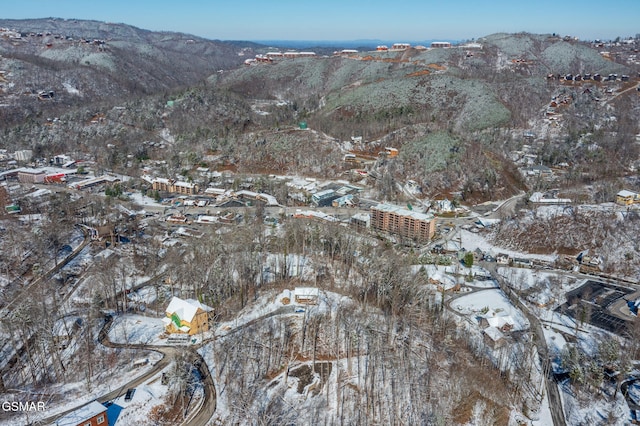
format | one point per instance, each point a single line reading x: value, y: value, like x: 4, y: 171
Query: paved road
x: 206, y: 409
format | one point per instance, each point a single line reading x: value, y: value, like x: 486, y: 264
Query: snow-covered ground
x: 137, y: 329
x: 75, y: 394
x: 472, y: 241
x: 138, y: 410
x: 449, y: 276
x: 593, y: 411
x: 473, y: 304
x: 272, y: 304
x: 524, y: 278
x: 143, y: 200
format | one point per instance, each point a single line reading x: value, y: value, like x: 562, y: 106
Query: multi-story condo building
x: 407, y: 223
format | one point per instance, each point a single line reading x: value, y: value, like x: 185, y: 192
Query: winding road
x: 553, y: 394
x: 206, y: 409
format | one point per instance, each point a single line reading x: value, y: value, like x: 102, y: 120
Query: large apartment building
x: 407, y: 223
x: 174, y: 187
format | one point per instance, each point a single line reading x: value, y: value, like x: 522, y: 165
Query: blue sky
x: 348, y: 20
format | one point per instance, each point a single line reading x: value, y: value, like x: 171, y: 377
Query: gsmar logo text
x: 23, y: 406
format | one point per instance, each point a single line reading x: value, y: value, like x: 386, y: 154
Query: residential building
x: 503, y: 259
x: 626, y: 198
x: 360, y: 221
x: 407, y: 223
x: 493, y: 337
x: 539, y: 170
x: 174, y: 187
x: 440, y: 44
x: 94, y: 414
x: 306, y: 295
x: 186, y: 316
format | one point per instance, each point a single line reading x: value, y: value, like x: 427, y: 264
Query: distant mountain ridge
x: 89, y: 61
x: 346, y: 44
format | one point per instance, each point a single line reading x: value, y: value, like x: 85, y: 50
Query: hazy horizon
x: 333, y: 20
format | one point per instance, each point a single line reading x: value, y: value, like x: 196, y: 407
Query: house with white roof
x: 306, y: 295
x: 504, y: 323
x: 186, y: 316
x: 94, y: 414
x: 626, y: 198
x: 493, y: 337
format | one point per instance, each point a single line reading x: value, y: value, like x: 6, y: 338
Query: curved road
x: 206, y: 409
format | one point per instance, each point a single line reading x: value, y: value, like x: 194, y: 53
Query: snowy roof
x: 498, y: 321
x: 185, y: 309
x: 402, y: 212
x: 625, y: 193
x: 307, y: 291
x: 81, y: 414
x: 494, y: 334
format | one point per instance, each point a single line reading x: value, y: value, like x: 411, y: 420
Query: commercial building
x: 407, y: 223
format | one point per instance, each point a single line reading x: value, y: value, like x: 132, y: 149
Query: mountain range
x: 456, y: 114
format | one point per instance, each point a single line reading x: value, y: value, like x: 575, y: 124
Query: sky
x: 399, y: 20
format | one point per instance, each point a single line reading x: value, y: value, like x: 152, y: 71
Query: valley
x: 418, y: 235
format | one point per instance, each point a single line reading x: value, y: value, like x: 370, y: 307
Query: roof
x: 307, y: 291
x: 402, y: 212
x: 498, y: 321
x: 493, y: 333
x: 81, y: 414
x: 625, y: 193
x: 185, y: 309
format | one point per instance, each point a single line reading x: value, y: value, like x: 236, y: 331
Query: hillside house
x: 93, y: 414
x: 306, y: 295
x: 504, y: 323
x: 390, y: 152
x: 539, y: 171
x: 186, y: 316
x: 493, y: 338
x: 627, y: 198
x: 503, y: 258
x: 522, y: 262
x: 98, y: 233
